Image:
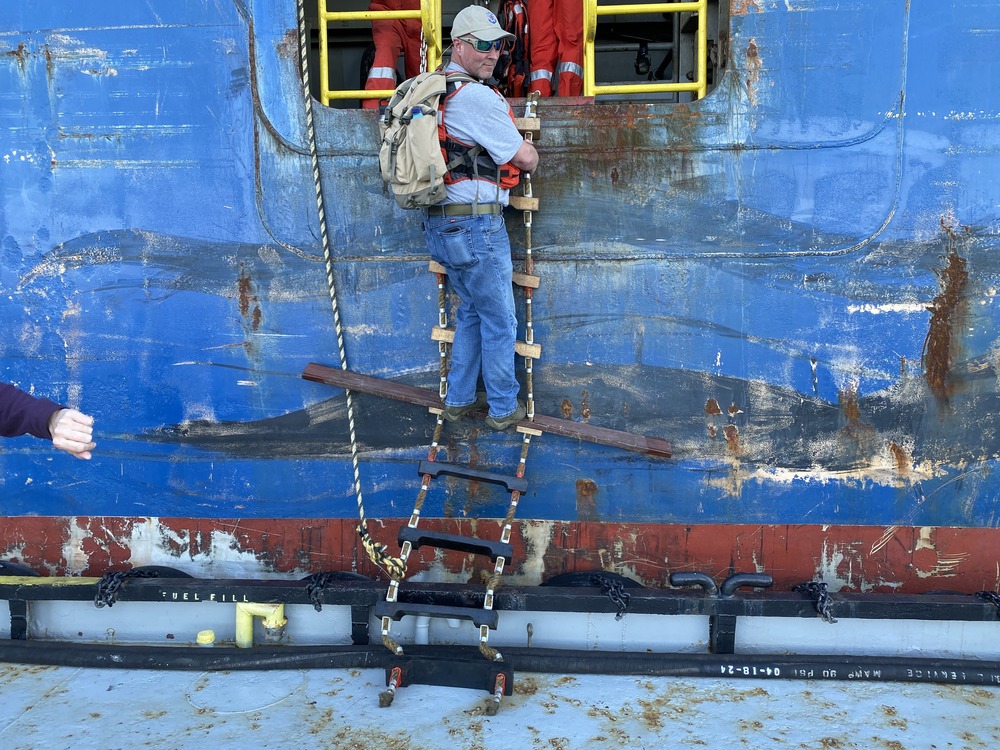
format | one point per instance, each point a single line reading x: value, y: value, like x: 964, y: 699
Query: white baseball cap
x: 477, y: 21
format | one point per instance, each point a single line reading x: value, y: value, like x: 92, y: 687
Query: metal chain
x: 316, y: 586
x: 616, y: 592
x: 824, y: 603
x: 110, y: 583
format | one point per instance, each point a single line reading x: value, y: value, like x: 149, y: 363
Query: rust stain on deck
x: 948, y: 313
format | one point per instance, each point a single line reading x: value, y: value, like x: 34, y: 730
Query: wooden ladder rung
x: 521, y: 279
x: 524, y: 280
x: 522, y: 203
x: 531, y: 351
x: 531, y: 125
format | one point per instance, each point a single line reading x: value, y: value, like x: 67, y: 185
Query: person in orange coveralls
x: 392, y: 38
x: 556, y: 28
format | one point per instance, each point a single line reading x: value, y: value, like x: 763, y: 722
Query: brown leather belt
x: 465, y: 209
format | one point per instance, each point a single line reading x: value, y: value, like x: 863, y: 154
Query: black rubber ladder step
x: 437, y: 468
x: 398, y: 610
x: 472, y: 673
x: 420, y: 538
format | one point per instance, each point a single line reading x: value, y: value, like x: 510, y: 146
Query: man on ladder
x: 466, y: 233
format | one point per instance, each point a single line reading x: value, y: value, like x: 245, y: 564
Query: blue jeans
x: 476, y: 252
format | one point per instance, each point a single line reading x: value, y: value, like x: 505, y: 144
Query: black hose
x: 552, y: 661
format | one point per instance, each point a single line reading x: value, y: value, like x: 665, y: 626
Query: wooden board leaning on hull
x: 424, y: 397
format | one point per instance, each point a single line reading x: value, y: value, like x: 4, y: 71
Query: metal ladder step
x: 398, y: 610
x: 436, y: 468
x: 419, y: 538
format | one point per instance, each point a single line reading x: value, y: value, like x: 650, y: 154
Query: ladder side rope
x: 393, y: 592
x: 442, y: 345
x: 508, y: 522
x: 376, y: 551
x: 529, y: 267
x: 529, y: 336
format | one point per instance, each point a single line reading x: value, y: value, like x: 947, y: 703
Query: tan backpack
x: 410, y: 157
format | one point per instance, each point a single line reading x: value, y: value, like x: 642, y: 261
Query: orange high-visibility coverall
x: 392, y: 38
x: 556, y: 33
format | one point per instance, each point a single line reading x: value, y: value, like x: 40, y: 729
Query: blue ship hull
x: 792, y: 280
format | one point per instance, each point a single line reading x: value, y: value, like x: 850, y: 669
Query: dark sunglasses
x: 484, y: 46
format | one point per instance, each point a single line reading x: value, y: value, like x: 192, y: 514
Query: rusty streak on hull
x: 873, y: 559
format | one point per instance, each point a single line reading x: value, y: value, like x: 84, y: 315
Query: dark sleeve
x: 23, y: 414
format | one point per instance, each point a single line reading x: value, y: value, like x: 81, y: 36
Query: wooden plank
x: 424, y: 397
x: 532, y: 351
x: 521, y: 279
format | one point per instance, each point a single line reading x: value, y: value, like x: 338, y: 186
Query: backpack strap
x: 470, y: 157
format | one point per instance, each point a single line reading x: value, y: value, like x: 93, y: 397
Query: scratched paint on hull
x: 848, y: 558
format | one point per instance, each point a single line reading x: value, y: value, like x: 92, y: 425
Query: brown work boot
x: 454, y: 413
x: 504, y: 422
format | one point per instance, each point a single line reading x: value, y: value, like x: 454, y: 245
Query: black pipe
x: 552, y: 661
x: 694, y: 579
x: 756, y: 580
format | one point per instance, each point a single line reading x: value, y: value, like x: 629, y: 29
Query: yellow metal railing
x: 429, y: 14
x: 590, y: 13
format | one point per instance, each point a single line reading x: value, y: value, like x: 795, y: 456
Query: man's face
x: 479, y: 64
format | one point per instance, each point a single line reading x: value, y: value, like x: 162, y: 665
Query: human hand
x: 72, y: 431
